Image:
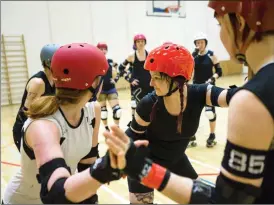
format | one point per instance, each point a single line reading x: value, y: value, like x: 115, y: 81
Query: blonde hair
x: 48, y: 105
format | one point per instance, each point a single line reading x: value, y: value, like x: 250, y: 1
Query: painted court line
x: 120, y: 198
x: 115, y: 195
x: 11, y: 164
x: 204, y: 164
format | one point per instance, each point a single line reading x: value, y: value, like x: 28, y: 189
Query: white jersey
x: 76, y: 143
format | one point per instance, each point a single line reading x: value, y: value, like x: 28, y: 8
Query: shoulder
x: 36, y: 82
x: 149, y: 99
x: 131, y: 57
x: 213, y: 57
x: 197, y: 88
x: 36, y: 85
x: 248, y: 119
x: 197, y: 92
x: 51, y: 129
x: 210, y: 52
x: 97, y: 107
x: 93, y: 108
x: 145, y: 106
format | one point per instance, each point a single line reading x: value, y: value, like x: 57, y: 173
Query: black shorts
x: 181, y: 167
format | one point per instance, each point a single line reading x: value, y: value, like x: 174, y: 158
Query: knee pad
x: 210, y: 113
x: 117, y: 112
x: 214, y: 119
x: 104, y: 113
x: 133, y: 104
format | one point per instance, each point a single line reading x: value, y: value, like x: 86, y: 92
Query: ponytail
x: 48, y: 105
x: 43, y: 107
x: 180, y: 117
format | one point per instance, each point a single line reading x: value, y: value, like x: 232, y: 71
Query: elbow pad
x: 56, y: 195
x: 122, y: 67
x: 128, y: 78
x: 218, y: 69
x: 94, y: 152
x: 228, y: 191
x: 215, y: 93
x: 201, y: 193
x: 230, y: 93
x: 133, y: 135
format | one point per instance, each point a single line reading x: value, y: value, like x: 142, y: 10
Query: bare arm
x: 178, y: 189
x: 35, y: 88
x: 250, y: 125
x: 243, y: 130
x: 46, y: 147
x: 249, y: 130
x: 217, y: 96
x: 222, y: 102
x: 123, y: 66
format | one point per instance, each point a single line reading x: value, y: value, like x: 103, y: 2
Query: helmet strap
x: 171, y: 91
x: 95, y: 91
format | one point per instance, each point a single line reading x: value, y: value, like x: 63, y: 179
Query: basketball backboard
x: 166, y: 8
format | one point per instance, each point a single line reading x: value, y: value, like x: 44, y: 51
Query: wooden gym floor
x: 205, y: 160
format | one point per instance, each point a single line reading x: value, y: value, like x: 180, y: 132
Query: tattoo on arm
x: 31, y: 95
x: 145, y: 198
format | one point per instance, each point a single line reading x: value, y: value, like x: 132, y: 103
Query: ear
x: 241, y: 22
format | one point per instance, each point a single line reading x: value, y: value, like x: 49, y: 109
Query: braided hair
x: 180, y: 82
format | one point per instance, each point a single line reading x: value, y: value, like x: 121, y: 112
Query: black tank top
x: 107, y: 85
x: 262, y: 85
x: 139, y: 73
x: 164, y: 140
x: 49, y: 90
x: 203, y: 69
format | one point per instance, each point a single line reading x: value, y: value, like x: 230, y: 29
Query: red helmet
x: 171, y: 59
x: 167, y: 42
x: 102, y: 45
x: 77, y: 65
x: 258, y: 14
x: 140, y: 37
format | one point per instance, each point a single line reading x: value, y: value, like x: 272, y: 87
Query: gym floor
x: 206, y: 161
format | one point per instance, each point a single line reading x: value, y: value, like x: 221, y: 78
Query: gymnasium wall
x: 114, y: 22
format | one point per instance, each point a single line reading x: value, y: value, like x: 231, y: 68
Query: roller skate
x: 192, y: 142
x: 211, y: 140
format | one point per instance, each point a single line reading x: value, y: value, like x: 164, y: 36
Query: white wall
x: 114, y: 22
x: 31, y: 19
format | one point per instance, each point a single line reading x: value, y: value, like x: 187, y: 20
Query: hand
x: 135, y: 82
x: 118, y: 143
x: 211, y: 80
x: 103, y: 172
x: 112, y: 81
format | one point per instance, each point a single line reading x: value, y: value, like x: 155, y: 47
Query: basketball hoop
x: 173, y: 9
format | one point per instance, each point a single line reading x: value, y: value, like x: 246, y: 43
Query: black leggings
x: 182, y: 167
